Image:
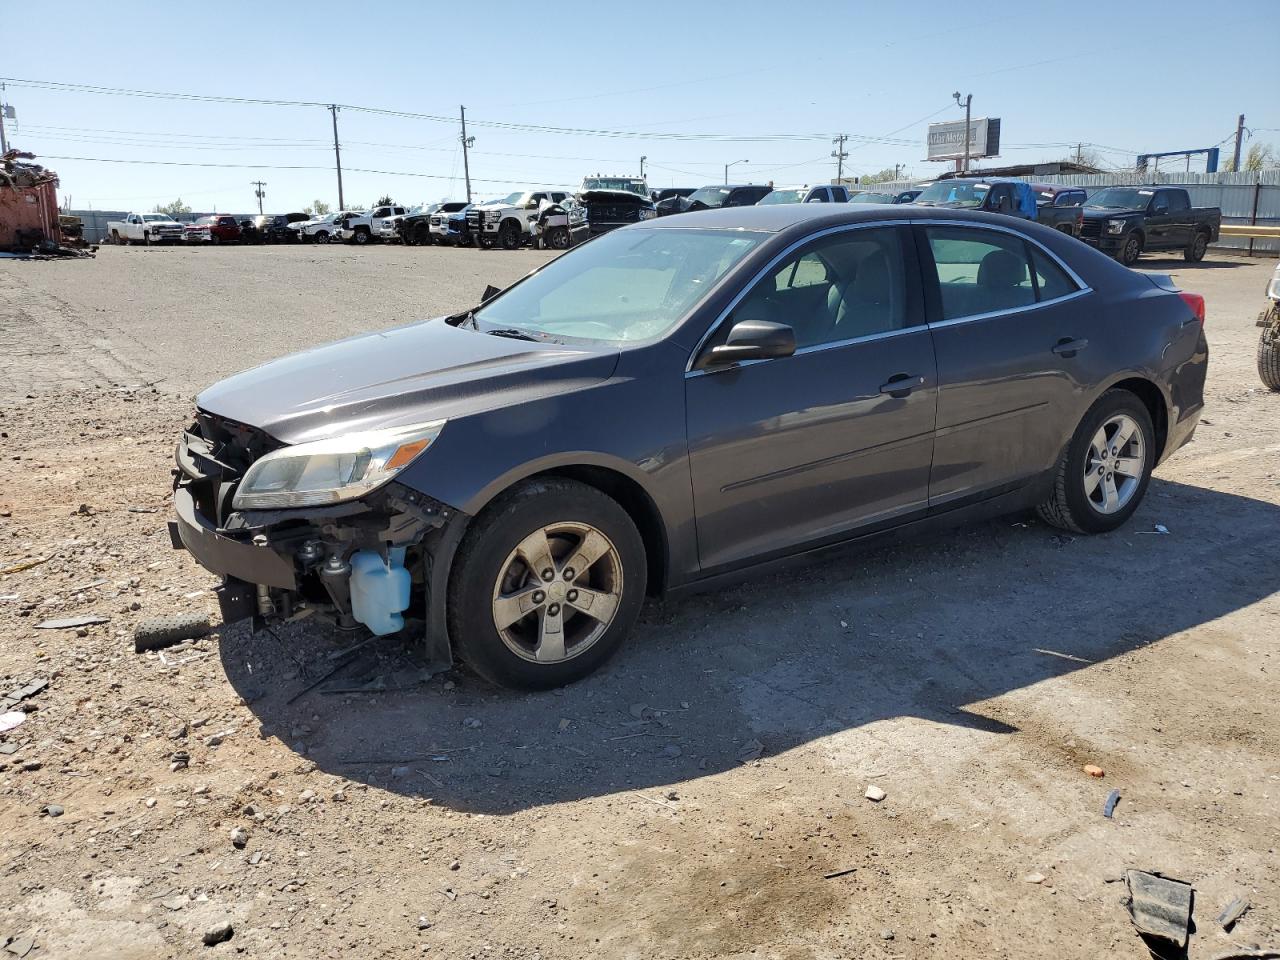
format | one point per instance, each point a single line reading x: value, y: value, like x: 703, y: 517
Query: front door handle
x: 901, y: 384
x: 1068, y: 347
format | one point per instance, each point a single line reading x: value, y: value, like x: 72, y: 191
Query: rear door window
x: 1052, y: 282
x: 980, y: 271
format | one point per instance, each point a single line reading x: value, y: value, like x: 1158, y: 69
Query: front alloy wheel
x: 546, y: 585
x: 1131, y: 250
x: 557, y: 593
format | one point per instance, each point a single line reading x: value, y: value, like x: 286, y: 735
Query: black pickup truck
x: 1126, y: 221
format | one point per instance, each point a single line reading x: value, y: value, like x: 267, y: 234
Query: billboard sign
x: 946, y: 140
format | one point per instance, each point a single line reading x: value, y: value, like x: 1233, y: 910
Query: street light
x: 642, y: 160
x: 728, y: 165
x: 967, y: 103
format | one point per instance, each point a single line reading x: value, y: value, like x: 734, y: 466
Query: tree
x: 320, y: 208
x: 384, y: 200
x: 884, y: 176
x: 174, y: 208
x: 1259, y: 157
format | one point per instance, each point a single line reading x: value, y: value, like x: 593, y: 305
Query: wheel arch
x: 615, y: 481
x: 1154, y: 399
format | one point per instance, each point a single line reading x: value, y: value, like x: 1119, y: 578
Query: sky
x: 557, y: 91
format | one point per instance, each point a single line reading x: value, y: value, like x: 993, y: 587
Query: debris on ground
x: 1036, y: 878
x: 1094, y: 771
x: 71, y: 623
x: 1161, y: 528
x: 218, y: 933
x: 875, y: 794
x: 51, y: 810
x: 157, y: 633
x: 19, y: 946
x: 9, y: 721
x: 751, y: 751
x: 1232, y: 912
x: 23, y: 565
x: 839, y: 873
x: 1160, y: 907
x: 1109, y: 807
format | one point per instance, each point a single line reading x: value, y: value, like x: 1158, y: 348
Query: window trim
x: 765, y: 270
x: 1083, y: 287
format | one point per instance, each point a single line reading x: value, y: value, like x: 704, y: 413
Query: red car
x: 219, y: 228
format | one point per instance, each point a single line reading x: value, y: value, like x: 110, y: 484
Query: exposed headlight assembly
x: 1115, y: 226
x: 333, y: 470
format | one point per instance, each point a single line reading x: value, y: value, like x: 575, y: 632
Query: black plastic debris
x: 1109, y: 807
x: 1160, y: 907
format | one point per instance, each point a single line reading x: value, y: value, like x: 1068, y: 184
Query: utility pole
x: 258, y: 192
x: 642, y: 160
x: 840, y: 155
x: 4, y: 108
x: 1235, y: 161
x: 466, y: 144
x: 1079, y: 153
x: 897, y: 171
x: 337, y: 154
x: 967, y: 103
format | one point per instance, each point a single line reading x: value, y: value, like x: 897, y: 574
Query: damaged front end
x: 316, y: 528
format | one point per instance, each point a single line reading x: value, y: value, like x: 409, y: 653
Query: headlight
x: 331, y: 471
x: 648, y: 214
x: 1115, y: 226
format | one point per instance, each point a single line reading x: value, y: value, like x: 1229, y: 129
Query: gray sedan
x: 678, y: 402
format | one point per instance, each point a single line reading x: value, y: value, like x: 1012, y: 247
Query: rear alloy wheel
x: 509, y: 235
x: 1104, y: 471
x: 362, y: 237
x: 1131, y: 250
x: 1197, y: 248
x: 547, y: 585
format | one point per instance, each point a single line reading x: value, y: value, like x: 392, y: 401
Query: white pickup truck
x: 507, y: 221
x: 324, y: 227
x: 145, y: 228
x: 377, y: 224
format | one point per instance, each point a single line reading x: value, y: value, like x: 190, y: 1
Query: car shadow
x: 929, y: 630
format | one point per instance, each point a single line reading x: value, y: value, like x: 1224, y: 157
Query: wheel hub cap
x: 1115, y: 464
x: 557, y: 592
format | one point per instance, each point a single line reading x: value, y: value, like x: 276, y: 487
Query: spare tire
x: 157, y: 633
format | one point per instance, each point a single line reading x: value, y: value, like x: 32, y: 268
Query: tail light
x: 1195, y: 302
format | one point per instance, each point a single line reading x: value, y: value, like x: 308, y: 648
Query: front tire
x: 547, y: 585
x: 362, y: 237
x: 557, y: 238
x: 509, y: 235
x: 1197, y: 248
x: 1104, y: 471
x: 322, y: 236
x: 1131, y: 250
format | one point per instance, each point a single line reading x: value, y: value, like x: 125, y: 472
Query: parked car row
x: 1122, y: 221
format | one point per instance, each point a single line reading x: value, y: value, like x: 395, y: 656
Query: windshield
x: 870, y: 197
x: 786, y: 196
x: 1120, y: 198
x: 208, y: 220
x: 157, y: 217
x: 959, y: 194
x: 511, y: 199
x: 710, y: 196
x: 453, y: 207
x: 637, y: 187
x: 626, y: 285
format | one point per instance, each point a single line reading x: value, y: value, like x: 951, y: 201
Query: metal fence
x: 1245, y: 198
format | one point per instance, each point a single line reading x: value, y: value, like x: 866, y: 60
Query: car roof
x: 777, y: 217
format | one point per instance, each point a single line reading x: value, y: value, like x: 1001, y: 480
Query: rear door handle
x: 901, y: 384
x: 1067, y: 347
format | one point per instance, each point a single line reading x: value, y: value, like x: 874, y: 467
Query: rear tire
x: 1197, y: 248
x: 493, y: 553
x: 1074, y: 505
x: 557, y: 238
x: 362, y: 237
x: 322, y: 236
x: 1269, y: 351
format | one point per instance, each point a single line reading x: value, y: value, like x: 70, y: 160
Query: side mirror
x: 752, y: 340
x: 531, y: 205
x: 1160, y: 209
x: 490, y: 291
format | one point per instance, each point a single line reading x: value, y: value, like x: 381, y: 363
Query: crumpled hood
x: 425, y: 371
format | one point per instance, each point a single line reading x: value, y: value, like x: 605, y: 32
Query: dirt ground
x: 687, y: 802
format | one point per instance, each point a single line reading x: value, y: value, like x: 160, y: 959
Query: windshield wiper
x: 511, y: 333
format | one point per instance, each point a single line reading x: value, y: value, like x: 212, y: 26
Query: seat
x: 1000, y: 278
x: 863, y: 306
